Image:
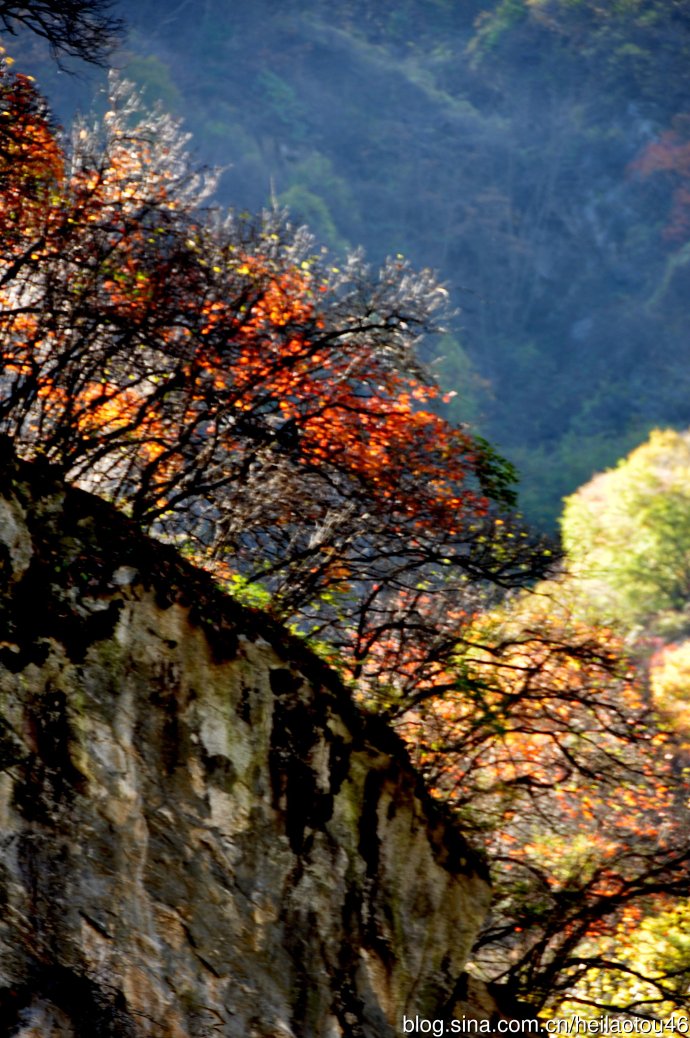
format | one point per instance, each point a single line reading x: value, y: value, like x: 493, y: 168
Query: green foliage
x: 659, y: 948
x: 494, y: 25
x: 281, y: 102
x: 548, y: 472
x: 310, y: 209
x: 155, y: 80
x: 247, y: 592
x: 321, y: 199
x: 455, y: 368
x: 627, y: 534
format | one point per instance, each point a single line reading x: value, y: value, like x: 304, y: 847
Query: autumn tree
x: 575, y: 757
x: 232, y: 387
x: 627, y: 535
x: 538, y: 730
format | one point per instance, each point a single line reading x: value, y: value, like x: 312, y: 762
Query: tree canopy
x: 627, y: 534
x: 532, y: 151
x: 542, y: 736
x: 232, y: 386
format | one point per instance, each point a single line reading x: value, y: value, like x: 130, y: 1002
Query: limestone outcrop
x: 199, y: 834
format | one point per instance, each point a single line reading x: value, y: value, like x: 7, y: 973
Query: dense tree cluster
x: 535, y: 152
x: 232, y: 387
x: 627, y: 533
x: 539, y: 730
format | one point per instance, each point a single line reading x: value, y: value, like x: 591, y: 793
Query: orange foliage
x: 536, y: 729
x: 670, y: 155
x: 183, y: 368
x: 31, y: 161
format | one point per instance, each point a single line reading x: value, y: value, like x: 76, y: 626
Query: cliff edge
x: 199, y: 834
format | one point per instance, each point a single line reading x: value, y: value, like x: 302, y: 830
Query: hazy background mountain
x: 535, y: 152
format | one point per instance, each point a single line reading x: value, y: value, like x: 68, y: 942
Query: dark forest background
x: 536, y: 153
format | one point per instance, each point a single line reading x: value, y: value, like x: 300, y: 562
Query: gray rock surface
x: 199, y: 834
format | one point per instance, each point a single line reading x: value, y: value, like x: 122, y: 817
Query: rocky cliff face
x: 199, y: 835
